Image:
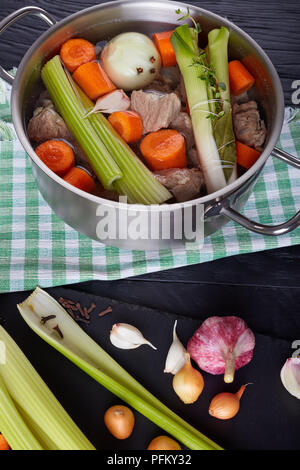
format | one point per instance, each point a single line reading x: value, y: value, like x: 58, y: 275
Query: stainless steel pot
x: 79, y: 209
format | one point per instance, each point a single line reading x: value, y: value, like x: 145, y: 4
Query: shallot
x: 163, y: 443
x: 222, y: 345
x: 226, y: 405
x: 119, y: 420
x: 188, y: 383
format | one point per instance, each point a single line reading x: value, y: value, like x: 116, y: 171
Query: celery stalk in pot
x: 223, y: 127
x: 193, y: 66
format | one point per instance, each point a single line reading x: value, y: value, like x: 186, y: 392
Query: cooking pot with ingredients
x: 84, y: 211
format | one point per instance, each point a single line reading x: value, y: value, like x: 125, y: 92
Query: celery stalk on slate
x: 12, y: 426
x: 194, y: 69
x: 223, y: 127
x: 41, y: 412
x: 79, y: 348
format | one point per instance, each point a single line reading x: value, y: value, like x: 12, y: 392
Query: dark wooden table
x: 263, y: 288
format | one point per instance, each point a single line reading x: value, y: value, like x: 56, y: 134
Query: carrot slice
x: 128, y: 124
x: 80, y: 178
x: 164, y: 149
x: 246, y: 156
x: 57, y: 155
x: 163, y: 44
x: 76, y: 52
x: 3, y: 443
x: 93, y: 80
x: 240, y: 78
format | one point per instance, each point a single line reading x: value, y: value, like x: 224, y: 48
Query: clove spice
x: 45, y: 319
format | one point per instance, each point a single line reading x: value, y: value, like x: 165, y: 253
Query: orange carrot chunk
x: 57, y: 155
x: 240, y: 78
x: 246, y: 156
x: 3, y: 443
x: 93, y: 80
x: 163, y: 44
x: 128, y: 124
x: 80, y: 178
x: 164, y: 149
x: 76, y: 52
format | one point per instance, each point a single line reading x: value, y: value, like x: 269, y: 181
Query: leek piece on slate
x: 193, y: 67
x: 79, y: 348
x: 40, y: 410
x: 223, y: 127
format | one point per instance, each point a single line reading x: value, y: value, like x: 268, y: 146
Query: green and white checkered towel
x: 36, y: 247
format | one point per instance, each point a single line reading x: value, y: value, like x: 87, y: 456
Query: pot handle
x: 16, y: 15
x: 262, y: 229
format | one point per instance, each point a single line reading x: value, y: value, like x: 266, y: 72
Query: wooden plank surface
x: 272, y: 23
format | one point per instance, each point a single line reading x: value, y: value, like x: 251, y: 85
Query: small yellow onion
x: 119, y: 420
x: 188, y: 383
x: 226, y: 405
x: 163, y: 443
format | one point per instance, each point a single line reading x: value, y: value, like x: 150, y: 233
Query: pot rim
x: 218, y: 195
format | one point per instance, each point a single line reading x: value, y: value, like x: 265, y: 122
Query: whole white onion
x: 131, y: 61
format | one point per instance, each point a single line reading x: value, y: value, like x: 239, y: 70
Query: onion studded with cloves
x: 131, y: 61
x: 188, y: 383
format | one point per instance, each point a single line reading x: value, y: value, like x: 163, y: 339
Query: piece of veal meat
x: 183, y: 124
x: 184, y: 183
x: 249, y: 128
x: 47, y: 124
x: 157, y: 111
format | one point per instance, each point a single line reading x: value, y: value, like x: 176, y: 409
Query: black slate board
x: 263, y: 403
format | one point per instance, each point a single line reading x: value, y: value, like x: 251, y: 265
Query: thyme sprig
x: 186, y: 16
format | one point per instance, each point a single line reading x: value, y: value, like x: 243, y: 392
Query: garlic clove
x: 290, y: 376
x: 125, y: 336
x: 176, y: 355
x: 111, y: 102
